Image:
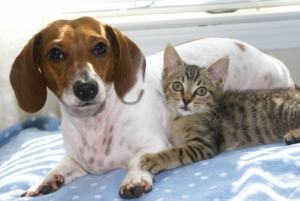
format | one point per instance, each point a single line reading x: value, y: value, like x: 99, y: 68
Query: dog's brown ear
x: 129, y: 72
x: 28, y: 84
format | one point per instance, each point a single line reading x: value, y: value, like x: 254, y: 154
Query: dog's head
x: 77, y: 60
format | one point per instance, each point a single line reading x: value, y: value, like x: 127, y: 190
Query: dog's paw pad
x: 49, y: 184
x: 45, y: 190
x: 133, y: 190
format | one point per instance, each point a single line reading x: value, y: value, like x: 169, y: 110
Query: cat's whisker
x: 212, y: 121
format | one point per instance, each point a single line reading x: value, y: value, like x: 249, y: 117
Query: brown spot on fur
x: 267, y: 77
x: 95, y: 150
x: 268, y: 54
x: 129, y: 147
x: 83, y: 142
x: 81, y: 150
x: 91, y: 160
x: 69, y: 174
x: 100, y: 162
x: 111, y: 128
x: 122, y: 140
x: 188, y: 42
x: 108, y: 148
x: 241, y: 46
x: 111, y: 163
x: 297, y: 87
x: 103, y: 142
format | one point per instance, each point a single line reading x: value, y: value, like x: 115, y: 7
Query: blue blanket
x: 29, y: 150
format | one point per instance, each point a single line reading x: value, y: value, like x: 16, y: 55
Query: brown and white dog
x: 112, y: 106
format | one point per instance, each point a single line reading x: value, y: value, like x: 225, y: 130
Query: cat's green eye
x: 201, y: 91
x: 177, y: 86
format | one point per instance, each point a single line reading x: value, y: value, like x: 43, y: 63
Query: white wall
x: 291, y: 58
x: 276, y: 33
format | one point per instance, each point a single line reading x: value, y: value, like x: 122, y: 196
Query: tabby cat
x: 206, y: 121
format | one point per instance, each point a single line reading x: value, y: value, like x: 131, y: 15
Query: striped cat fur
x: 206, y: 121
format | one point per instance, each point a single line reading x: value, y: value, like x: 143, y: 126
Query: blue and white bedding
x: 29, y: 150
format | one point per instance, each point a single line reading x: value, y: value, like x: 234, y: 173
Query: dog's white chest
x: 97, y: 143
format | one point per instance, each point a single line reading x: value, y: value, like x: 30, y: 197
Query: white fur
x: 143, y: 127
x: 247, y: 69
x: 68, y: 96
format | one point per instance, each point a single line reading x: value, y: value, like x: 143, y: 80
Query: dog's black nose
x: 85, y: 91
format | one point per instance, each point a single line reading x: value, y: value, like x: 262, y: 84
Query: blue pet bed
x: 28, y: 150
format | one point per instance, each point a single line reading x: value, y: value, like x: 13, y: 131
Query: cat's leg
x: 177, y: 156
x: 63, y: 173
x: 292, y: 137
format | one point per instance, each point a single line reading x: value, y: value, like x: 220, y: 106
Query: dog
x: 113, y: 107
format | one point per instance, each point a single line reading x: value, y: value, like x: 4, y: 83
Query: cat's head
x: 190, y: 89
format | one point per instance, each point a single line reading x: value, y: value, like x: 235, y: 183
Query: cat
x: 206, y: 121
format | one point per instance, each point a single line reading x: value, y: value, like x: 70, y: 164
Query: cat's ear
x: 172, y: 60
x: 218, y: 69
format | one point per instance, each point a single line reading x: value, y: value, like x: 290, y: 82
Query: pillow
x: 28, y: 150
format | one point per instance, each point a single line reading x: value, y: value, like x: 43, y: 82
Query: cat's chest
x: 177, y: 137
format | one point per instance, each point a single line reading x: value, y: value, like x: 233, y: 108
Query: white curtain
x: 19, y: 21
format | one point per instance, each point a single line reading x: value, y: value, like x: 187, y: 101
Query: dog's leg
x: 63, y: 173
x: 138, y: 181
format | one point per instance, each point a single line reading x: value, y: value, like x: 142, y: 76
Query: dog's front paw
x: 292, y: 137
x: 152, y: 163
x: 49, y: 184
x: 136, y: 184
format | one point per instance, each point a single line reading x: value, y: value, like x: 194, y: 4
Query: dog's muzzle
x: 85, y: 91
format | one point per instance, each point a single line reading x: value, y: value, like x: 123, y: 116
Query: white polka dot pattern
x: 269, y: 172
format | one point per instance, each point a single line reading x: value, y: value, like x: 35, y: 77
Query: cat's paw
x: 49, y: 184
x: 292, y: 137
x: 152, y: 163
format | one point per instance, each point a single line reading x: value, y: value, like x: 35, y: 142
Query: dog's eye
x: 100, y: 48
x: 55, y: 53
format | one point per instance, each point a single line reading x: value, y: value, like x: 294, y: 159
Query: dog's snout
x: 85, y: 91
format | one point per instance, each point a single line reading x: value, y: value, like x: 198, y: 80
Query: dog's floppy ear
x: 129, y: 71
x: 28, y: 84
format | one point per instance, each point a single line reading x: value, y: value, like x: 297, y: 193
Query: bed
x: 29, y: 149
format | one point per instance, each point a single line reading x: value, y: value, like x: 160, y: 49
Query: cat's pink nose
x: 186, y: 101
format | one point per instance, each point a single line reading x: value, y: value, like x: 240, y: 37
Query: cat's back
x: 231, y: 98
x: 257, y: 117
